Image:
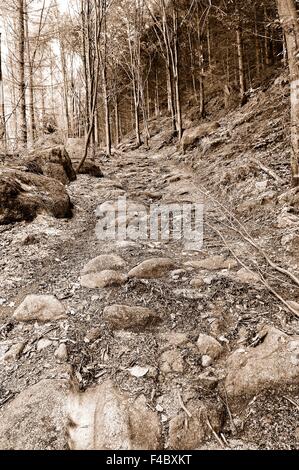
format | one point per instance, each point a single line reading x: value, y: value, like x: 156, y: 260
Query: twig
x: 267, y: 170
x: 225, y: 440
x: 292, y: 401
x: 215, y: 434
x: 183, y: 406
x: 5, y: 400
x: 232, y: 423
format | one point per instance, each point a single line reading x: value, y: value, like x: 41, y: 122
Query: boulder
x: 102, y: 263
x: 122, y: 317
x: 90, y: 168
x: 24, y: 195
x: 53, y: 162
x: 42, y: 308
x: 152, y: 268
x: 103, y: 418
x: 107, y: 278
x: 193, y: 135
x: 36, y: 418
x: 272, y: 364
x: 213, y: 263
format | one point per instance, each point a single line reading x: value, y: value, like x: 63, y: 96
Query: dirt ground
x: 48, y: 255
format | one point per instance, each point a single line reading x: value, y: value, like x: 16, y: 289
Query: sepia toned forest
x: 149, y: 227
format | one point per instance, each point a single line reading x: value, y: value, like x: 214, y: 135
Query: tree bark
x: 241, y: 67
x: 3, y: 136
x: 289, y: 20
x: 32, y: 127
x: 21, y: 67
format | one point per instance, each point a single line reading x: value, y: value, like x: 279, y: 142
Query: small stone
x: 104, y: 263
x: 43, y: 343
x: 206, y: 361
x: 122, y: 317
x: 43, y: 308
x: 103, y: 279
x: 92, y: 335
x: 159, y: 408
x: 152, y: 268
x: 14, y: 352
x: 197, y: 282
x: 61, y: 352
x: 177, y: 273
x: 173, y: 339
x: 246, y: 276
x: 209, y: 346
x: 138, y: 371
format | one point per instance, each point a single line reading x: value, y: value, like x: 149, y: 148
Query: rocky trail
x: 117, y: 333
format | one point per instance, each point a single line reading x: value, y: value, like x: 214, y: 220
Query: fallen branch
x: 230, y: 216
x: 267, y: 170
x: 262, y: 279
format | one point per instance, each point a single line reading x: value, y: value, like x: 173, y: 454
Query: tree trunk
x: 21, y: 67
x: 85, y: 65
x: 32, y: 127
x: 107, y: 114
x: 241, y: 64
x: 3, y: 137
x: 289, y: 20
x: 176, y: 74
x: 257, y: 47
x: 137, y: 118
x: 157, y: 98
x: 116, y: 110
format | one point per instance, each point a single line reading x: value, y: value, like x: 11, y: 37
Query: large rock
x: 36, y: 418
x: 107, y: 278
x: 52, y: 162
x: 122, y: 317
x: 42, y: 308
x: 213, y: 263
x: 105, y: 419
x: 273, y: 363
x: 24, y: 195
x: 192, y: 136
x: 102, y: 263
x: 91, y: 169
x: 190, y: 437
x: 152, y: 268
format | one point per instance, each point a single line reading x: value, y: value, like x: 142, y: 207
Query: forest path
x: 194, y: 293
